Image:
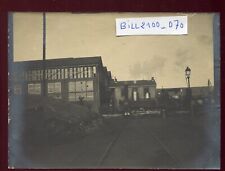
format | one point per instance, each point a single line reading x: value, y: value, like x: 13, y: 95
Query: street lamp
x: 187, y: 75
x: 189, y: 94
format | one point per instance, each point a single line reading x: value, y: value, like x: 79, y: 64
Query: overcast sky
x: 128, y: 57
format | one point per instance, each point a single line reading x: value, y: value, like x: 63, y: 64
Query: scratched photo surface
x: 82, y: 97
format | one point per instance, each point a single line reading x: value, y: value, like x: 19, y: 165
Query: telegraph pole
x: 44, y: 56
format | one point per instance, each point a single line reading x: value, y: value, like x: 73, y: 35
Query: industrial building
x: 76, y: 80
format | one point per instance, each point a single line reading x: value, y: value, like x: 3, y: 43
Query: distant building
x: 132, y: 91
x: 71, y: 79
x: 197, y: 92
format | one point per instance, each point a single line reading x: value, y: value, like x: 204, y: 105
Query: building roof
x: 133, y: 83
x: 60, y: 62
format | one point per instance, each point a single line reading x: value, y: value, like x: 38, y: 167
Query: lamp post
x: 187, y: 75
x: 189, y: 94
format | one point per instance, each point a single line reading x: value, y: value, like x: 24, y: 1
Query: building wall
x: 140, y: 92
x: 66, y: 82
x: 120, y: 96
x: 152, y: 90
x: 130, y: 91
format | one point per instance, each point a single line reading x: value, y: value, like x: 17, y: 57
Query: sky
x: 129, y: 57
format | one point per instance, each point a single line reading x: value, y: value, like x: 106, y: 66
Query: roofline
x: 59, y: 62
x: 52, y: 59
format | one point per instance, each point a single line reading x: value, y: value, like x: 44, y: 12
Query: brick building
x: 71, y: 79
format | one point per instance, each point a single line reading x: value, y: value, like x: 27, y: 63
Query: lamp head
x: 187, y: 72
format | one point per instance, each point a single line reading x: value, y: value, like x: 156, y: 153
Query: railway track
x: 110, y: 145
x: 166, y: 149
x: 118, y: 137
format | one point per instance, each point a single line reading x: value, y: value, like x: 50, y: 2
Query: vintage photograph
x: 80, y: 96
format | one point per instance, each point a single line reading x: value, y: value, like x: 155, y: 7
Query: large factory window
x: 54, y: 90
x: 81, y: 90
x: 34, y: 88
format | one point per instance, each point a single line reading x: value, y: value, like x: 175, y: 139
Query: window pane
x: 53, y: 74
x: 90, y: 71
x: 58, y: 74
x: 71, y: 73
x: 54, y: 90
x: 75, y: 72
x: 72, y: 86
x: 85, y: 72
x: 89, y: 85
x: 79, y: 72
x: 34, y: 88
x: 80, y: 86
x: 66, y: 73
x: 94, y: 69
x: 62, y: 73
